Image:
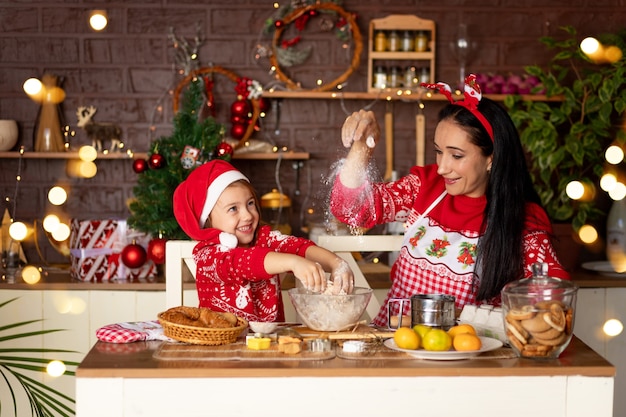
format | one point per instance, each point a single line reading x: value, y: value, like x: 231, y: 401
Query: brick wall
x: 127, y: 70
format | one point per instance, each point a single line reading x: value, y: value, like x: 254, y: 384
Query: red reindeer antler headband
x: 472, y: 96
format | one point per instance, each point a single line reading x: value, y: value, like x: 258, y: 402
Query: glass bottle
x: 380, y: 41
x: 393, y: 80
x: 421, y: 41
x: 410, y: 77
x: 424, y: 76
x: 380, y: 77
x: 393, y: 42
x: 407, y: 41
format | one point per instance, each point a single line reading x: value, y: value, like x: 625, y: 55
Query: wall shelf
x: 389, y: 94
x: 122, y: 155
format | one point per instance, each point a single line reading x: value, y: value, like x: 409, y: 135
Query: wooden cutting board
x: 360, y: 332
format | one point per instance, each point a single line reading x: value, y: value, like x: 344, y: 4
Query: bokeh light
x: 588, y: 234
x: 57, y: 195
x: 32, y: 87
x: 612, y: 327
x: 61, y: 233
x: 614, y: 154
x: 18, y: 231
x: 87, y: 153
x: 575, y: 190
x: 618, y: 192
x: 51, y: 223
x: 55, y: 368
x: 608, y: 181
x: 98, y: 20
x: 31, y: 274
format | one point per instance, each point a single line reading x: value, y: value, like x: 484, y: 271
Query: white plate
x: 449, y: 355
x: 604, y: 268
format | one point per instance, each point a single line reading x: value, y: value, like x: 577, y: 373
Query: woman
x: 473, y: 221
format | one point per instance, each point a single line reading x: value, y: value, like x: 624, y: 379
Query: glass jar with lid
x: 380, y: 41
x: 539, y: 314
x: 380, y: 77
x: 394, y: 78
x: 421, y: 41
x: 393, y: 41
x: 410, y: 77
x: 406, y: 42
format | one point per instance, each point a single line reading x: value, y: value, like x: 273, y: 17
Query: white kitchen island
x: 127, y: 380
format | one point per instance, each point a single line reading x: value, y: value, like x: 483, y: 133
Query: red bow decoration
x: 472, y: 96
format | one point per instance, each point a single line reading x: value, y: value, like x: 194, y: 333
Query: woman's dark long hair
x: 500, y: 254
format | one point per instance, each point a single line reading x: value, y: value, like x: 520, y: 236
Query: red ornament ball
x: 238, y: 120
x: 238, y: 130
x: 134, y: 256
x: 156, y: 251
x: 140, y: 165
x: 264, y: 104
x: 224, y: 149
x: 279, y: 24
x: 240, y: 108
x: 156, y: 161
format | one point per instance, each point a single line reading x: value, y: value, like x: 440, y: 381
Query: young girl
x: 239, y: 260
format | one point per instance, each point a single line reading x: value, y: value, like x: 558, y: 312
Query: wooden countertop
x: 135, y: 360
x: 376, y: 274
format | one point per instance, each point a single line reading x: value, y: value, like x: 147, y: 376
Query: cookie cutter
x: 319, y: 345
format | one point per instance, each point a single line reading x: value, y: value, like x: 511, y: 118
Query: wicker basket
x: 202, y: 335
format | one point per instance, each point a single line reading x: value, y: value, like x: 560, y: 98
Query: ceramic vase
x: 8, y: 134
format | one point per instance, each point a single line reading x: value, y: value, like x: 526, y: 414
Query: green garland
x: 152, y: 210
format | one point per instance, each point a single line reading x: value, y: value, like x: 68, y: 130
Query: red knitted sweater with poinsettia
x: 461, y: 216
x: 234, y: 279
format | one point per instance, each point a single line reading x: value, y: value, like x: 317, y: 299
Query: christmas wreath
x: 284, y: 52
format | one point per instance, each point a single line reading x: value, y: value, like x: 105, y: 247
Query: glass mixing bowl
x: 329, y: 313
x: 539, y: 314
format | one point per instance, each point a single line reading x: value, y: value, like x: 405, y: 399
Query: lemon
x: 406, y: 338
x: 421, y: 329
x: 437, y: 340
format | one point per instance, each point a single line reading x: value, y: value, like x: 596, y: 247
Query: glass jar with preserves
x: 407, y: 41
x: 393, y: 41
x: 421, y: 41
x: 394, y: 78
x: 410, y: 77
x: 380, y: 77
x: 380, y: 41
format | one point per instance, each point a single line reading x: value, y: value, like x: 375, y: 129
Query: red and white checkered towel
x: 131, y: 332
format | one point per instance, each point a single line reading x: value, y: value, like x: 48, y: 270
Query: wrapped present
x: 95, y: 249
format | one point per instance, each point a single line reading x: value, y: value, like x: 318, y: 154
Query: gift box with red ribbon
x: 96, y: 247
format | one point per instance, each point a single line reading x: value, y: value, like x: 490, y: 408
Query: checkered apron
x: 432, y: 261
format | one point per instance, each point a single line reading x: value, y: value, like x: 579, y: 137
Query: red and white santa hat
x: 195, y: 197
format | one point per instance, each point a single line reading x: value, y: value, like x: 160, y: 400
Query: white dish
x: 604, y: 268
x: 449, y: 355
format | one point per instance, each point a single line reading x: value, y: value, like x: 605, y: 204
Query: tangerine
x: 437, y: 340
x: 406, y: 338
x: 462, y: 328
x: 466, y: 341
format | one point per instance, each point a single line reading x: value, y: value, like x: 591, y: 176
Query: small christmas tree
x: 151, y: 210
